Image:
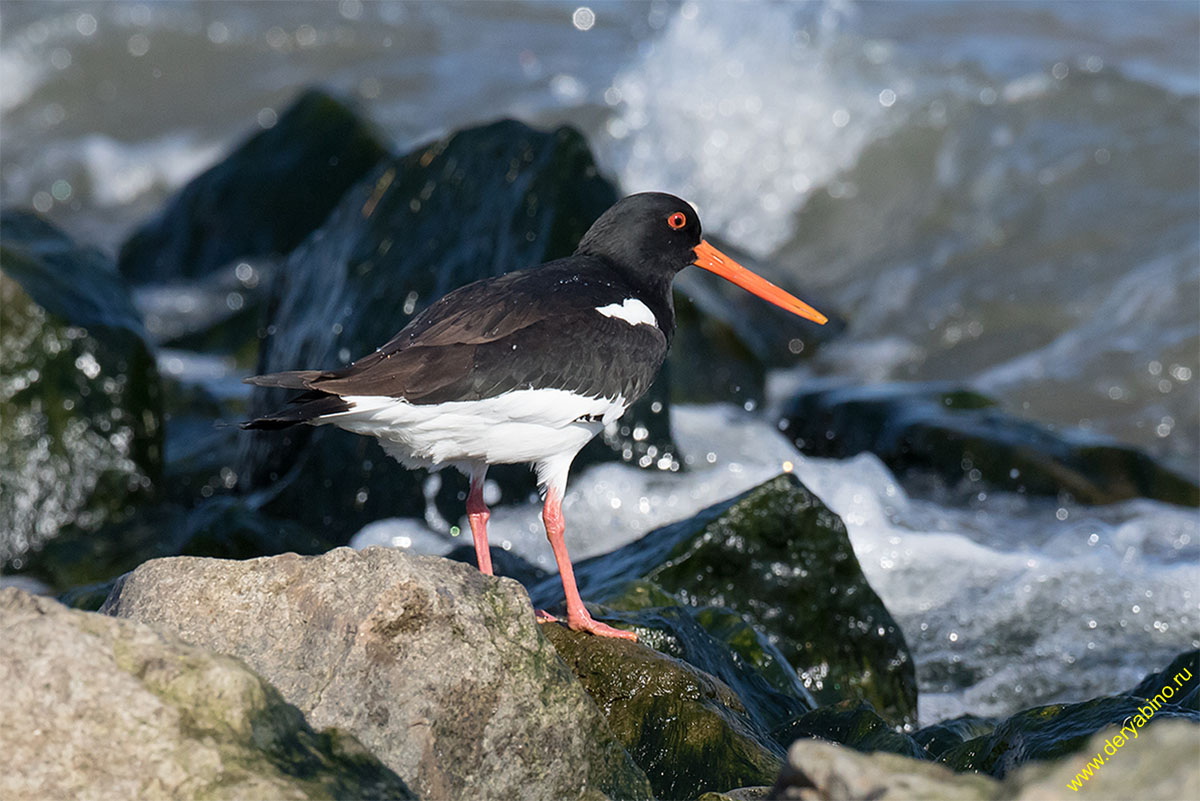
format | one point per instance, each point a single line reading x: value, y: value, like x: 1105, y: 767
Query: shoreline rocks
x: 442, y: 672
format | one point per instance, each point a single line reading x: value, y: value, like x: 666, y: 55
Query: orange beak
x: 717, y: 262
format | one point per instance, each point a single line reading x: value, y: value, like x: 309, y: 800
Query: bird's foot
x: 544, y: 617
x: 585, y: 623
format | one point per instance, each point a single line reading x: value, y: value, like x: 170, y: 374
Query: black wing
x: 531, y: 328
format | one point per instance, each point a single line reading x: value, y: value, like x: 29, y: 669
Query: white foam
x: 724, y: 93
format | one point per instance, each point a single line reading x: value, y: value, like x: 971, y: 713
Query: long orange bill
x: 717, y: 262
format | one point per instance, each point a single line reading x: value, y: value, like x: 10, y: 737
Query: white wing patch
x: 631, y: 310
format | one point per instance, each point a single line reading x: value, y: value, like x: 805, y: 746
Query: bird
x: 528, y: 366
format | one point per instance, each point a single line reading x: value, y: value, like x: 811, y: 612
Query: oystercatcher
x: 527, y: 366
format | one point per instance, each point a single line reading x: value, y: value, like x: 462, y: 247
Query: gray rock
x: 441, y: 671
x: 100, y: 708
x: 820, y: 770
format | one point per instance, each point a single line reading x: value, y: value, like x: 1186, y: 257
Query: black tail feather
x: 305, y: 408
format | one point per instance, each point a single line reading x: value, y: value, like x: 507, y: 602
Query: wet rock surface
x: 855, y: 725
x: 80, y: 398
x: 263, y: 199
x: 780, y: 558
x: 960, y: 437
x: 111, y: 709
x: 440, y: 671
x: 687, y: 730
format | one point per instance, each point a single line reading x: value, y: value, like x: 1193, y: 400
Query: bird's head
x: 651, y: 236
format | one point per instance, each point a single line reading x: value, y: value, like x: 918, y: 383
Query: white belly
x: 527, y: 425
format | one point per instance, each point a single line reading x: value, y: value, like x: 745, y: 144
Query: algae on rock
x: 80, y: 400
x: 687, y: 730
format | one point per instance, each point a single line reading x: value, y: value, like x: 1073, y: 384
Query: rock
x: 1160, y: 765
x: 478, y: 203
x: 821, y: 771
x: 958, y: 436
x: 80, y: 404
x: 717, y: 641
x: 263, y: 199
x: 779, y: 557
x: 687, y: 730
x: 851, y: 724
x: 1049, y: 732
x: 439, y: 670
x: 1182, y: 677
x: 101, y: 708
x: 939, y: 738
x: 740, y: 794
x: 222, y: 312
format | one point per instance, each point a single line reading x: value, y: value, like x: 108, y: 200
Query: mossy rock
x: 855, y: 725
x: 80, y: 399
x: 939, y: 738
x: 263, y: 199
x: 1048, y: 732
x: 686, y: 729
x: 780, y: 558
x: 718, y: 641
x: 962, y: 439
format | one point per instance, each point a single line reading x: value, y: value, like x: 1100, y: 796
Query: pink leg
x: 578, y: 618
x: 478, y: 514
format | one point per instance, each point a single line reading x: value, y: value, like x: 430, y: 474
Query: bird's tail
x: 307, y: 407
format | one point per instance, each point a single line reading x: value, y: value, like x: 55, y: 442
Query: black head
x: 650, y: 235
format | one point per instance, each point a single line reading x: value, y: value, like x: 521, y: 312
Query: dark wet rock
x: 80, y: 400
x: 101, y: 708
x: 821, y: 771
x: 478, y: 203
x: 263, y: 199
x: 851, y: 724
x: 960, y: 437
x: 687, y: 730
x: 442, y: 672
x: 939, y: 738
x: 1182, y: 677
x: 223, y: 526
x: 718, y: 641
x: 1049, y: 732
x: 222, y: 312
x: 504, y: 563
x: 779, y: 557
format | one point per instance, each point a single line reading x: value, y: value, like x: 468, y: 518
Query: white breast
x: 631, y: 310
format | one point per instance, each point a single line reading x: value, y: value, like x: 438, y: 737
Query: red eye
x: 677, y: 220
